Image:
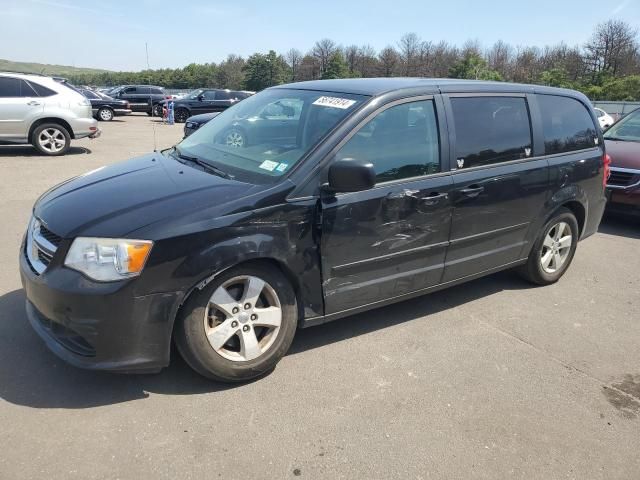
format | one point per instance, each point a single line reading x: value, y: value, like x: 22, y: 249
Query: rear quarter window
x: 566, y: 124
x: 41, y: 90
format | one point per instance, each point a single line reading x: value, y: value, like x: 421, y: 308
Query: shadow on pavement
x: 29, y: 151
x: 32, y: 376
x: 622, y: 225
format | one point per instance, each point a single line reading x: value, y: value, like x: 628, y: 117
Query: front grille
x: 41, y: 246
x: 50, y: 236
x: 623, y: 178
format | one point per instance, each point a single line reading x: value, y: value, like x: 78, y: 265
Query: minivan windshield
x: 627, y: 129
x: 262, y: 137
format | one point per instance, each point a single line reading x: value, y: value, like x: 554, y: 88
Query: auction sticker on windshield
x: 269, y: 165
x: 334, y: 102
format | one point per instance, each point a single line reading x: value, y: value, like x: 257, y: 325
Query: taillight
x: 606, y: 169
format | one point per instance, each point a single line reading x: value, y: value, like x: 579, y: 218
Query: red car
x: 623, y: 146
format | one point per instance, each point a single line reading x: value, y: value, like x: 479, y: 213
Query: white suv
x: 43, y: 112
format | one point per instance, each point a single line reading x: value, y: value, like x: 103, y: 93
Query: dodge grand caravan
x: 371, y: 192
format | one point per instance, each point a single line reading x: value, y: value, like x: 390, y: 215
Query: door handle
x: 33, y: 103
x: 434, y: 198
x: 472, y: 191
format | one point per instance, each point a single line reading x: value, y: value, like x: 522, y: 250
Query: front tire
x: 51, y: 139
x: 239, y: 326
x: 105, y: 114
x: 553, y: 249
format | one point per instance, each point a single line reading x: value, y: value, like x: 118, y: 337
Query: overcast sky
x: 112, y: 34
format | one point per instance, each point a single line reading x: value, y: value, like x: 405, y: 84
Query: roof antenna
x: 155, y: 143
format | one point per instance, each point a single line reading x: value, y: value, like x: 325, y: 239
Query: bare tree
x: 611, y: 44
x: 444, y: 57
x: 309, y: 68
x: 293, y: 58
x: 323, y: 50
x: 409, y: 47
x: 366, y: 61
x: 388, y: 62
x: 500, y: 58
x: 351, y: 57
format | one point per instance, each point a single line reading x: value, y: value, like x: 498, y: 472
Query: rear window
x: 491, y: 130
x: 156, y: 91
x: 566, y: 124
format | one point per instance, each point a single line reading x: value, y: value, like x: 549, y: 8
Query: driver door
x: 391, y: 240
x: 204, y: 103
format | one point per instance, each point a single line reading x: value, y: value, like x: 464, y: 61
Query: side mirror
x: 200, y: 97
x: 351, y: 175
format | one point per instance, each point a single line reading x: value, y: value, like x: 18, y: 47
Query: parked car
x: 380, y: 190
x: 203, y: 100
x: 604, y: 119
x: 141, y: 98
x: 105, y: 107
x: 623, y: 145
x: 195, y: 122
x: 43, y: 112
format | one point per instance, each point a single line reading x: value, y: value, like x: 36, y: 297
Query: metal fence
x: 616, y: 109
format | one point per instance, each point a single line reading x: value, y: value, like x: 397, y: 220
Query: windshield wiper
x: 207, y: 166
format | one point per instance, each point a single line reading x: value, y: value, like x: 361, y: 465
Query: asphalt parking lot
x: 491, y: 379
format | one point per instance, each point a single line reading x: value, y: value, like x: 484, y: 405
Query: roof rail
x: 24, y: 73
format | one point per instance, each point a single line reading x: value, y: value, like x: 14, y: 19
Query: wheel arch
x: 57, y: 120
x: 578, y: 210
x: 260, y: 260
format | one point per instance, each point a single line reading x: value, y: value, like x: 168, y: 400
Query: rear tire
x: 157, y: 110
x: 105, y: 114
x: 51, y: 139
x: 239, y: 326
x: 553, y: 249
x: 181, y: 115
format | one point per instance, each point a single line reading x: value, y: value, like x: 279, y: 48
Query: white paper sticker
x: 268, y: 165
x: 282, y: 167
x: 334, y: 102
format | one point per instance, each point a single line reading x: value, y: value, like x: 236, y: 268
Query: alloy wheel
x: 556, y: 247
x: 106, y: 114
x: 52, y: 140
x: 243, y: 318
x: 234, y: 139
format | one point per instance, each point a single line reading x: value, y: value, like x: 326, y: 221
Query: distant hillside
x: 60, y: 70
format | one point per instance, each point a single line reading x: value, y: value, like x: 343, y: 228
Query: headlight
x: 108, y: 259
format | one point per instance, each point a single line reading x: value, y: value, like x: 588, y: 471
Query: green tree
x: 336, y: 67
x: 472, y: 66
x: 556, y: 77
x: 263, y: 71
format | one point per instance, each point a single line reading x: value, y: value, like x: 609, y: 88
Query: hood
x: 116, y: 200
x: 623, y: 154
x: 203, y: 117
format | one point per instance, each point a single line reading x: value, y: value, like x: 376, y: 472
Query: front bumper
x: 625, y: 202
x: 100, y: 326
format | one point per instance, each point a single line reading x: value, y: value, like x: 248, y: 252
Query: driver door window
x: 209, y: 95
x: 401, y: 142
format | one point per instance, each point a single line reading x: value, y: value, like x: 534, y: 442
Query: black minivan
x: 376, y: 191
